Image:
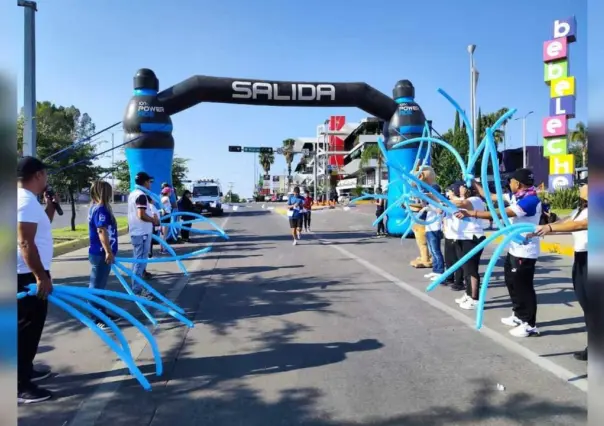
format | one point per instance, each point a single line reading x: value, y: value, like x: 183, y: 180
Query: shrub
x: 567, y: 198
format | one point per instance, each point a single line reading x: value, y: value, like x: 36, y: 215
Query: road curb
x: 69, y: 246
x: 550, y: 247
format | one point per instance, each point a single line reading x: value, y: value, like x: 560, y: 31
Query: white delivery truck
x: 206, y: 196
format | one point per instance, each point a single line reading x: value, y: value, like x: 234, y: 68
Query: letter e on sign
x: 554, y: 126
x: 555, y: 49
x: 562, y: 87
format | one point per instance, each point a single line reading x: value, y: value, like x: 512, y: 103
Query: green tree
x: 58, y: 127
x: 457, y: 125
x: 578, y: 137
x: 288, y: 153
x: 179, y: 174
x: 372, y: 152
x: 232, y: 197
x: 266, y: 159
x: 443, y: 161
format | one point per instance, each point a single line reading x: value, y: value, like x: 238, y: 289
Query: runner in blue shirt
x: 102, y: 230
x: 295, y: 204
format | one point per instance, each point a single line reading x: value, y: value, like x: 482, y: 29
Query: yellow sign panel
x: 562, y: 164
x: 564, y: 86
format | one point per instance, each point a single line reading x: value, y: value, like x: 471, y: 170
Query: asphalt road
x: 335, y: 331
x: 82, y: 214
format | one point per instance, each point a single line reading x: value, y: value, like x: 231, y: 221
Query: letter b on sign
x: 566, y: 28
x: 555, y: 70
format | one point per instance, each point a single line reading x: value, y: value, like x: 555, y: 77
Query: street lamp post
x: 473, y: 82
x: 524, y: 159
x: 29, y: 77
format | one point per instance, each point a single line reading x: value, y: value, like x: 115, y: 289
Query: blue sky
x: 88, y: 51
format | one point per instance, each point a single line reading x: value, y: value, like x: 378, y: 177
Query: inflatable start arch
x: 148, y: 127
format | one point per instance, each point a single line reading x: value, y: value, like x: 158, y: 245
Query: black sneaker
x: 457, y: 287
x: 33, y: 394
x: 147, y: 275
x: 38, y: 375
x: 581, y: 356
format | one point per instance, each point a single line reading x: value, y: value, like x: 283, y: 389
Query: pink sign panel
x: 555, y: 49
x: 554, y: 126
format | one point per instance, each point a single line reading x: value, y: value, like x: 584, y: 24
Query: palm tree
x: 579, y: 137
x: 288, y: 153
x: 267, y: 159
x: 372, y: 152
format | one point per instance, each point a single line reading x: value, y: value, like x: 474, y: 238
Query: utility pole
x: 113, y: 162
x: 29, y: 77
x: 524, y: 157
x: 230, y: 192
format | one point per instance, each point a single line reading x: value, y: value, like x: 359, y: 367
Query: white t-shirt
x: 468, y: 228
x: 528, y: 210
x: 433, y: 215
x: 153, y: 211
x: 138, y: 200
x: 166, y: 204
x: 580, y: 237
x: 30, y: 210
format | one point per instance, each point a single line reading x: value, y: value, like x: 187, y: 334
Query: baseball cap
x: 29, y: 166
x: 524, y: 176
x: 142, y: 177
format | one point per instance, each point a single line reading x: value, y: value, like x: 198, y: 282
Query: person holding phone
x: 34, y: 259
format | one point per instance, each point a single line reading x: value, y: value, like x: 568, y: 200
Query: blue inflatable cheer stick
x: 170, y: 250
x: 464, y: 118
x: 462, y: 164
x: 150, y: 289
x: 83, y: 293
x: 489, y: 271
x: 473, y: 252
x: 186, y: 256
x: 124, y: 284
x: 159, y: 369
x: 125, y: 357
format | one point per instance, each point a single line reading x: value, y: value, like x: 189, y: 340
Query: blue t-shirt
x: 297, y: 202
x: 99, y: 217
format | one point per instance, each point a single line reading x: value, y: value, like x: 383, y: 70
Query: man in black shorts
x: 294, y: 204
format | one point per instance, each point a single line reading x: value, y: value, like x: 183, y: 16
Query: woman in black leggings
x: 577, y: 224
x: 380, y: 205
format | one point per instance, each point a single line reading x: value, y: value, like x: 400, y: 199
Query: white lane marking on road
x: 510, y: 345
x: 91, y: 408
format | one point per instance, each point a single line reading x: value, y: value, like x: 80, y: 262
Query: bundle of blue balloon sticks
x: 81, y: 302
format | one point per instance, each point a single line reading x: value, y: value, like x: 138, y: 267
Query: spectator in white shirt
x: 34, y: 257
x: 140, y: 225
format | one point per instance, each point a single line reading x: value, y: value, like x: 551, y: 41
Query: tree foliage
x: 58, y: 127
x: 288, y: 153
x: 578, y: 144
x: 179, y: 174
x: 266, y: 160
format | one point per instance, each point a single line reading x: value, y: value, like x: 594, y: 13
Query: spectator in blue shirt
x: 102, y: 229
x: 519, y: 267
x: 294, y: 205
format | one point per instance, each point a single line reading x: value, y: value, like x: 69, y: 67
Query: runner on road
x: 307, y: 211
x: 380, y: 204
x: 295, y: 204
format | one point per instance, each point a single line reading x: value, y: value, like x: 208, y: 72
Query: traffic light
x: 233, y: 148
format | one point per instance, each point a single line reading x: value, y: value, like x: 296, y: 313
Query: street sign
x: 280, y: 151
x: 258, y: 149
x: 233, y: 148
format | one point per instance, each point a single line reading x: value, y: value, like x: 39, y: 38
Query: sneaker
x: 38, y: 375
x: 295, y: 242
x: 147, y: 275
x: 457, y: 287
x: 462, y: 299
x: 435, y: 277
x: 32, y: 395
x: 524, y: 330
x: 581, y: 356
x: 100, y: 324
x: 511, y: 321
x: 430, y: 275
x: 144, y: 294
x: 469, y: 304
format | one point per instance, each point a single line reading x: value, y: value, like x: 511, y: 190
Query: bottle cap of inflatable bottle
x: 403, y: 89
x: 146, y: 79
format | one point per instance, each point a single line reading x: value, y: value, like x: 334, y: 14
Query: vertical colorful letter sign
x: 562, y: 103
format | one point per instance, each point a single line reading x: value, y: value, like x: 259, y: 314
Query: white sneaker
x: 511, y: 321
x: 430, y: 275
x: 524, y: 330
x: 462, y: 299
x: 469, y: 304
x: 295, y: 242
x: 435, y: 277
